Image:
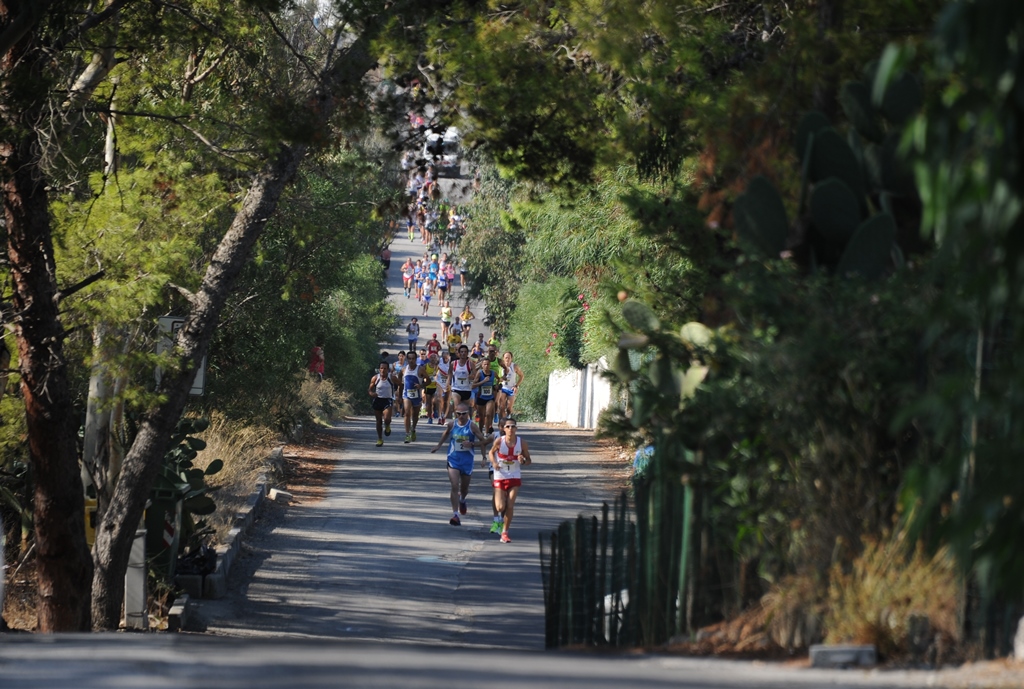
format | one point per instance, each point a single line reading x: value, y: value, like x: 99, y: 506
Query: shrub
x: 885, y: 586
x: 243, y: 449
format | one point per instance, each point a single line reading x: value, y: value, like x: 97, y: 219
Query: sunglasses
x: 462, y: 413
x: 510, y: 426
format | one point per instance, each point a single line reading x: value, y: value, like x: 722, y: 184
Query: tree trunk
x: 64, y: 565
x: 142, y: 463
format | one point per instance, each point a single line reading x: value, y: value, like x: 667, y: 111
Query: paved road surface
x: 371, y: 587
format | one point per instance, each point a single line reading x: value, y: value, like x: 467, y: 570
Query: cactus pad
x: 761, y: 218
x: 869, y: 252
x: 835, y: 210
x: 856, y: 101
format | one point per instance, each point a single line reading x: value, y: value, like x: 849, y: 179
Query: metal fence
x: 615, y: 581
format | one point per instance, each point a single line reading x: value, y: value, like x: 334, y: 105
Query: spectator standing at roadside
x: 317, y: 362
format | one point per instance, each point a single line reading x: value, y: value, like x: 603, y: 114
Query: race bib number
x: 486, y: 390
x: 463, y: 381
x: 413, y: 394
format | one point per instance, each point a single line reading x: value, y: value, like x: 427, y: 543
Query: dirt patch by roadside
x: 308, y: 466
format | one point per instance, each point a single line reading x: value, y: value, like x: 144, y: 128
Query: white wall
x: 578, y: 396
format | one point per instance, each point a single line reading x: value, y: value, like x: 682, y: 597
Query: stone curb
x: 215, y: 585
x: 843, y: 655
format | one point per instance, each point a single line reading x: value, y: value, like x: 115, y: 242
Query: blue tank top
x: 461, y: 434
x: 485, y: 393
x: 411, y: 380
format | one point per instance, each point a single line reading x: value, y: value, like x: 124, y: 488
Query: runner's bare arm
x: 373, y: 387
x: 492, y: 454
x: 444, y: 436
x: 526, y: 458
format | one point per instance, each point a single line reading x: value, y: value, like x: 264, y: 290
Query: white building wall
x: 578, y: 396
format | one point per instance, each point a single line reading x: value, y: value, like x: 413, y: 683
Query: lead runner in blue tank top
x: 463, y: 435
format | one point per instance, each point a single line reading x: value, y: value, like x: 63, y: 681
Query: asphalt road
x: 371, y: 587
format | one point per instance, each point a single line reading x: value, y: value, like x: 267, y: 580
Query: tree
x: 298, y: 73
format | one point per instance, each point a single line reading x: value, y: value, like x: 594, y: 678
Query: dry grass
x: 322, y: 402
x: 891, y: 581
x: 243, y: 449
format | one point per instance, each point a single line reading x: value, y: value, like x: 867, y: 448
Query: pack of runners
x: 451, y: 379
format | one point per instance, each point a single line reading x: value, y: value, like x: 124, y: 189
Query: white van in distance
x: 444, y: 151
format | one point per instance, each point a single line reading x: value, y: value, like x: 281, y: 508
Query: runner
x: 408, y: 270
x: 485, y: 383
x: 507, y: 456
x: 444, y: 369
x: 509, y: 387
x: 479, y: 346
x: 465, y: 435
x: 414, y: 333
x: 382, y: 389
x: 397, y: 369
x: 430, y: 386
x: 446, y: 319
x: 466, y: 317
x: 427, y: 290
x: 455, y: 338
x: 462, y: 377
x: 434, y: 345
x: 498, y: 366
x: 412, y: 376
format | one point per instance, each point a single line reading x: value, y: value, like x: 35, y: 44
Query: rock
x: 281, y: 496
x: 843, y: 655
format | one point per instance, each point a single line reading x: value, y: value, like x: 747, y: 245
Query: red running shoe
x: 454, y: 521
x: 462, y: 507
x: 505, y: 538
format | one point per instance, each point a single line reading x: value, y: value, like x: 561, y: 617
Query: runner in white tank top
x: 509, y: 387
x: 507, y: 456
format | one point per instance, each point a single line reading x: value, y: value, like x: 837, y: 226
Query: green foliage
x: 967, y: 154
x: 531, y: 339
x: 761, y: 218
x: 315, y: 280
x: 783, y: 419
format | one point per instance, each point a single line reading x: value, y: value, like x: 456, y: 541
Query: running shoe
x: 387, y: 430
x: 414, y: 436
x: 505, y: 538
x: 430, y: 420
x: 454, y: 521
x: 462, y: 507
x: 379, y: 442
x: 495, y: 527
x: 408, y: 438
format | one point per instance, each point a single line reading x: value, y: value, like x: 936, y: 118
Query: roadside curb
x: 214, y: 585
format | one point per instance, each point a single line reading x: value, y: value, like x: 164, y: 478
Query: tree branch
x: 22, y: 24
x: 89, y: 22
x: 68, y: 291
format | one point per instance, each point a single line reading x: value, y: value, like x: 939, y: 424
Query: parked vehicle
x: 444, y: 150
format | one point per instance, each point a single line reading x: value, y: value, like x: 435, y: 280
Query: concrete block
x: 191, y: 584
x: 226, y: 558
x: 215, y: 585
x: 843, y: 655
x: 177, y: 616
x: 281, y: 496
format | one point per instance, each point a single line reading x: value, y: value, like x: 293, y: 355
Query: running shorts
x: 504, y: 484
x: 382, y: 403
